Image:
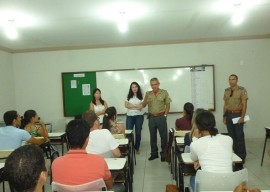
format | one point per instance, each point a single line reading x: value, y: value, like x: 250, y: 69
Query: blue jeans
x: 158, y: 123
x: 236, y: 132
x: 136, y: 120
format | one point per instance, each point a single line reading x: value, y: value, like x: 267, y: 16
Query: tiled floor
x: 152, y: 176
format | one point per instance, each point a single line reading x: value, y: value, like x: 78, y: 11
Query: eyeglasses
x: 231, y: 93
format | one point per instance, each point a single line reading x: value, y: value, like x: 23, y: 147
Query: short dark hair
x: 90, y: 117
x: 23, y: 167
x: 205, y: 121
x: 77, y: 132
x: 9, y: 116
x: 154, y: 79
x: 233, y: 75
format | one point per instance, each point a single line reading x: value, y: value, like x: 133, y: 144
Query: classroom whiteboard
x: 184, y: 84
x: 188, y: 84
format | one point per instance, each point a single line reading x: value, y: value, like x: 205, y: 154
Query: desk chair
x: 267, y: 136
x: 207, y: 181
x: 97, y: 185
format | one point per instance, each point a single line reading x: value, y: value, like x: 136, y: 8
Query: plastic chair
x: 208, y: 181
x: 97, y: 185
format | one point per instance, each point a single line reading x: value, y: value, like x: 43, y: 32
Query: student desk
x: 118, y: 165
x: 130, y: 136
x: 58, y: 138
x: 2, y: 165
x: 185, y: 167
x: 5, y: 153
x: 177, y: 149
x: 122, y: 142
x: 126, y: 149
x: 1, y: 176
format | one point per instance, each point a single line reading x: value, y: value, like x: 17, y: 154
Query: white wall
x: 7, y: 92
x: 40, y: 86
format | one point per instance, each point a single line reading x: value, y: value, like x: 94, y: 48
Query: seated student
x: 25, y: 169
x: 194, y: 133
x: 184, y: 123
x: 77, y: 167
x: 212, y: 151
x: 108, y: 147
x: 32, y: 124
x: 109, y: 122
x: 11, y: 137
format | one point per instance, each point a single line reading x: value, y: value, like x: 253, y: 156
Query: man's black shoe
x: 152, y: 158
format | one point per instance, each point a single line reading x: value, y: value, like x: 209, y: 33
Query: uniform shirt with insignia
x: 156, y: 103
x: 233, y: 99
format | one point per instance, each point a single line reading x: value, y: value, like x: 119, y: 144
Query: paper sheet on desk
x: 235, y: 120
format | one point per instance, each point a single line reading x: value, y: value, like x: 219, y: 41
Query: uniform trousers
x: 158, y: 123
x: 236, y: 132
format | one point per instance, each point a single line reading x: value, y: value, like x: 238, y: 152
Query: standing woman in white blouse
x: 135, y: 112
x: 98, y: 105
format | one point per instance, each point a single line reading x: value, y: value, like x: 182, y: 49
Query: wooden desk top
x: 128, y: 131
x: 187, y: 160
x: 122, y: 141
x: 179, y: 140
x: 5, y: 153
x: 56, y: 134
x: 180, y: 133
x: 116, y: 163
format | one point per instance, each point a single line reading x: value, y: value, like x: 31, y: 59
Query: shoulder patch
x: 242, y: 88
x: 227, y: 89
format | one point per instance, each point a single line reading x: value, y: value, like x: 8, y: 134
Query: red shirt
x: 78, y: 167
x: 183, y: 123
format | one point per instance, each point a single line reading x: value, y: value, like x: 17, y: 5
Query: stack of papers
x: 235, y: 120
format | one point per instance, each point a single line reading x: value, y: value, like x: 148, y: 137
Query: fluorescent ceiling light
x: 10, y: 30
x: 122, y: 13
x: 122, y: 22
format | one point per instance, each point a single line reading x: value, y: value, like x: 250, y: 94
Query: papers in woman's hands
x: 235, y: 120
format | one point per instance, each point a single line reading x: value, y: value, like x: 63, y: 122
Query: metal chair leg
x: 264, y: 149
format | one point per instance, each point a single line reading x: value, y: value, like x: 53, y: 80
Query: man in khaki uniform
x: 235, y: 105
x: 158, y: 101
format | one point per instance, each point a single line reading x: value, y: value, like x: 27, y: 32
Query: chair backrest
x: 208, y: 181
x: 97, y: 185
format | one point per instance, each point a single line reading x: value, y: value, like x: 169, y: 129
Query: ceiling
x: 75, y: 24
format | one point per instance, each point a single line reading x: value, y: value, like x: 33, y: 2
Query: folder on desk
x: 235, y: 120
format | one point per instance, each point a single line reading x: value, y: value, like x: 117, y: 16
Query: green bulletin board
x: 77, y: 92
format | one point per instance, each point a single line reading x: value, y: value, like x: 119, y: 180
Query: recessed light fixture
x: 11, y: 30
x: 122, y: 13
x: 238, y: 14
x: 122, y: 22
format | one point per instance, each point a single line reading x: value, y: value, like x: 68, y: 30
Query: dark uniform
x: 233, y: 106
x: 157, y: 120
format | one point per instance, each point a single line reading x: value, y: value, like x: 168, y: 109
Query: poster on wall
x: 86, y: 89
